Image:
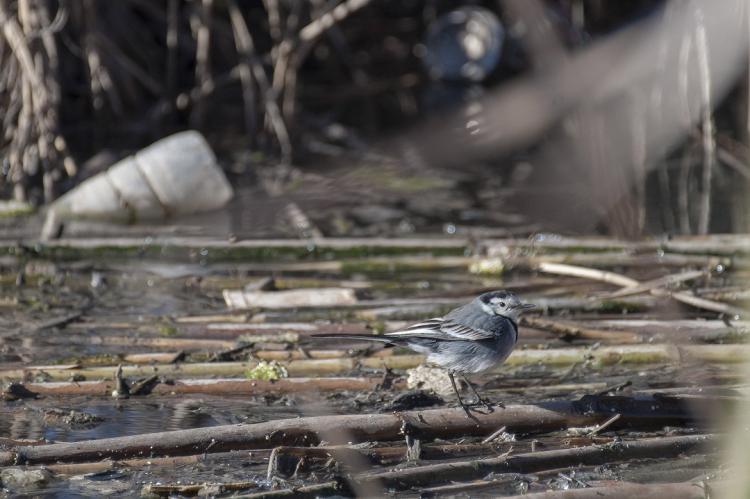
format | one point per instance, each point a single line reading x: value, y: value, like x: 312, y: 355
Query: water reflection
x: 25, y: 419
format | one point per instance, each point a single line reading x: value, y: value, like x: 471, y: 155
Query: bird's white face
x: 503, y: 303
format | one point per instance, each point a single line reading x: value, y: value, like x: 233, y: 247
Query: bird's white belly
x: 466, y: 356
x: 467, y: 364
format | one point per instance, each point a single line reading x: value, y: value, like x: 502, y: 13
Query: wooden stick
x: 57, y: 321
x: 685, y: 490
x: 203, y: 77
x: 153, y: 358
x: 375, y: 455
x: 568, y: 330
x: 10, y: 442
x: 293, y: 50
x: 728, y: 293
x: 499, y: 482
x: 683, y: 189
x: 209, y: 386
x: 245, y: 250
x: 600, y: 428
x: 716, y: 244
x: 294, y: 367
x: 168, y: 489
x: 598, y: 357
x: 707, y: 122
x: 173, y: 19
x: 434, y: 423
x: 246, y: 47
x: 177, y: 343
x: 303, y: 492
x: 276, y: 328
x: 347, y: 455
x: 415, y: 309
x: 107, y: 464
x: 656, y: 283
x: 275, y: 351
x: 628, y: 283
x: 324, y: 22
x: 703, y: 303
x: 467, y: 488
x: 696, y: 251
x: 662, y: 447
x: 245, y: 50
x: 587, y: 273
x: 292, y: 298
x: 208, y: 319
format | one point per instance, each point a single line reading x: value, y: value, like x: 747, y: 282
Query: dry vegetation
x: 181, y: 359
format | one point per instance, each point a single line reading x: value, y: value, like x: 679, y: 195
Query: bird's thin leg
x: 455, y: 389
x: 480, y: 400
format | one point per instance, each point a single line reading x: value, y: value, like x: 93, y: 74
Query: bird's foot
x: 487, y: 403
x: 467, y: 410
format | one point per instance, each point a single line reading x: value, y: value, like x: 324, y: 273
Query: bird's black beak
x: 526, y: 306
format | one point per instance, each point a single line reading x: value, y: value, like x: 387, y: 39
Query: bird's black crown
x: 500, y: 294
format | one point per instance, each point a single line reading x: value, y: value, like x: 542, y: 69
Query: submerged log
x: 428, y: 424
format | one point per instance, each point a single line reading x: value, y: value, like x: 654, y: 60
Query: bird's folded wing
x: 442, y: 329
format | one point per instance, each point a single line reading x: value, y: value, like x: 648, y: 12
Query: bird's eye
x: 502, y: 303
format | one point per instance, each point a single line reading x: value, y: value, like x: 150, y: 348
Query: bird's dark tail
x: 358, y: 337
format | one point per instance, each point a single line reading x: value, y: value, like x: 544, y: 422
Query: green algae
x: 267, y: 371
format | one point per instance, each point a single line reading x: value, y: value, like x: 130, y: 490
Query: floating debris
x: 176, y: 175
x: 71, y: 417
x: 296, y: 298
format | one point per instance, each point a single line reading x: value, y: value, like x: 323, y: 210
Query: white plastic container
x: 177, y: 175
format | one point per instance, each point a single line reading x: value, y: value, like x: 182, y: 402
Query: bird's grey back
x: 473, y: 316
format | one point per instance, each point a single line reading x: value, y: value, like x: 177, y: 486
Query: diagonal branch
x: 246, y: 48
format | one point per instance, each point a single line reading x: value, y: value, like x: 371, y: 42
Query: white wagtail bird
x: 470, y: 339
